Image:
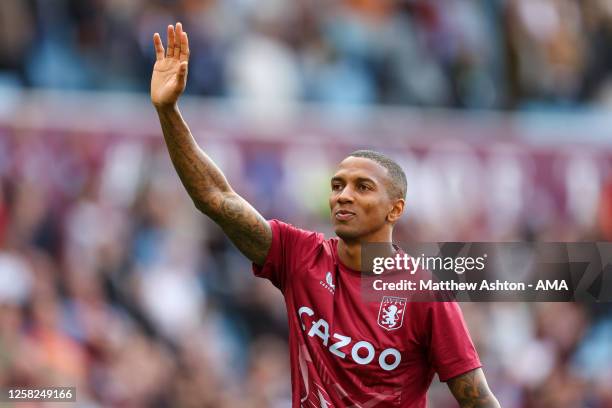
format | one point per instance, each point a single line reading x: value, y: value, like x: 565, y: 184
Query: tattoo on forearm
x: 247, y: 229
x: 197, y: 171
x: 211, y: 192
x: 471, y: 390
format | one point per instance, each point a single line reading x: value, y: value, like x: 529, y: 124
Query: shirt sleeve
x: 289, y: 246
x: 451, y: 350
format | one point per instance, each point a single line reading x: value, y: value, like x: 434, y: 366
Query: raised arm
x: 472, y: 391
x: 204, y: 181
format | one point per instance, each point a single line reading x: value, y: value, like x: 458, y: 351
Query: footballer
x: 344, y: 352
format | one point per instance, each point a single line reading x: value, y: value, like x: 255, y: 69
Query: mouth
x: 344, y: 215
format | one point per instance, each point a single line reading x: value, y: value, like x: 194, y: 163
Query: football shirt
x: 346, y: 352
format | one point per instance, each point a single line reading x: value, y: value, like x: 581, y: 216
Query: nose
x: 345, y: 196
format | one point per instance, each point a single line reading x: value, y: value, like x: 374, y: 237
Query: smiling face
x: 361, y: 208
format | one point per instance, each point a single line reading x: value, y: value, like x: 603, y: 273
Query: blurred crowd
x: 508, y: 54
x: 111, y: 281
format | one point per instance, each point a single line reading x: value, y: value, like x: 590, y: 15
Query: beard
x: 348, y: 235
x: 356, y: 232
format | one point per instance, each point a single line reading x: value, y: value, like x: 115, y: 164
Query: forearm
x: 243, y: 225
x: 201, y: 177
x: 210, y: 191
x: 472, y: 391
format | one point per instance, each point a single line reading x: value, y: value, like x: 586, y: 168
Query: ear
x: 396, y: 210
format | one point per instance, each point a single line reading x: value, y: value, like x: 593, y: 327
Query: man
x: 340, y: 355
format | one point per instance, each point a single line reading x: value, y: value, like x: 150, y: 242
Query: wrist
x: 166, y: 107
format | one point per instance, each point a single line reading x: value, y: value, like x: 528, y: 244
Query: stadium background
x: 111, y: 281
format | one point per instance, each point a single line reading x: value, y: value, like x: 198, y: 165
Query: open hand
x: 170, y: 71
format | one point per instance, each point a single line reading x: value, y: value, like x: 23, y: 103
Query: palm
x: 164, y: 82
x: 170, y: 71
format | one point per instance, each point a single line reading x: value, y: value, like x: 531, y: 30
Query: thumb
x: 182, y: 72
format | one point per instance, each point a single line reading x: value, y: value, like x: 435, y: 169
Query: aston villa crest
x: 391, y: 313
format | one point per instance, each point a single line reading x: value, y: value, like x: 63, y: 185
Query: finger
x: 184, y: 47
x: 159, y: 47
x: 177, y: 40
x: 170, y: 41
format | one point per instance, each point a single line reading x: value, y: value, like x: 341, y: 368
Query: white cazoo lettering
x: 320, y: 328
x: 383, y: 356
x: 335, y: 348
x: 308, y: 311
x: 315, y: 331
x: 355, y: 352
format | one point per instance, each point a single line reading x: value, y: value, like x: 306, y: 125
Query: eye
x: 336, y: 187
x: 363, y: 187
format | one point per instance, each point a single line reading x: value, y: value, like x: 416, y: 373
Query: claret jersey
x: 346, y: 352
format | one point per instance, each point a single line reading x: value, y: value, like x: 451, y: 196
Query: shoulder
x: 428, y: 316
x: 289, y: 235
x: 436, y: 309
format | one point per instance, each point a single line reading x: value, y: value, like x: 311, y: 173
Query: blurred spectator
x: 112, y: 282
x: 271, y: 54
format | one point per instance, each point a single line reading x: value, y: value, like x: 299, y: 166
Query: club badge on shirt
x: 391, y: 313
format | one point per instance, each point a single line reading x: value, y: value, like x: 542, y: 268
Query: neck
x: 349, y: 251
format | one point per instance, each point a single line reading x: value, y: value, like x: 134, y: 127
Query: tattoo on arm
x: 247, y: 229
x: 198, y: 173
x: 210, y: 191
x: 471, y: 390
